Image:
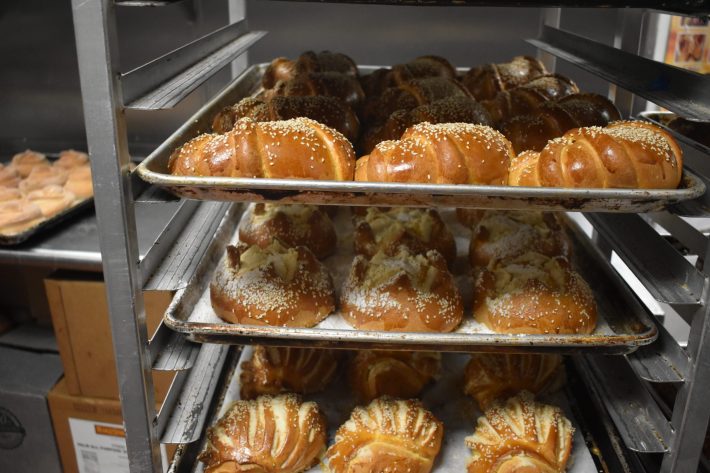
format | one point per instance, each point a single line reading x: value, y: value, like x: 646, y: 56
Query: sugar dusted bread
x: 402, y: 293
x: 521, y: 435
x: 268, y: 434
x: 274, y: 285
x: 388, y: 435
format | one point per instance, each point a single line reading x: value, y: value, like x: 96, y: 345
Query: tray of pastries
x: 318, y: 129
x: 38, y: 192
x: 450, y: 280
x: 318, y: 410
x: 692, y: 132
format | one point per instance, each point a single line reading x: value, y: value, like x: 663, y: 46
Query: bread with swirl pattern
x: 485, y: 81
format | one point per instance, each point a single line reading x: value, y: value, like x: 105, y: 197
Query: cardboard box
x: 89, y: 433
x: 77, y: 302
x: 26, y: 439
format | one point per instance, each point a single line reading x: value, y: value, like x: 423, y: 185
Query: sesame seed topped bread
x: 273, y: 370
x: 420, y: 230
x: 274, y: 285
x: 626, y: 154
x: 298, y: 148
x: 491, y: 376
x: 403, y: 293
x: 485, y: 81
x: 270, y: 434
x: 388, y: 435
x: 444, y: 153
x: 535, y: 294
x: 293, y: 225
x: 520, y: 435
x: 401, y: 374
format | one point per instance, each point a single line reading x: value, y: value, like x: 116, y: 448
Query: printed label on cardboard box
x: 99, y: 447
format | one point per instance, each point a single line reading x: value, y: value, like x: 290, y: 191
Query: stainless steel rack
x: 636, y: 424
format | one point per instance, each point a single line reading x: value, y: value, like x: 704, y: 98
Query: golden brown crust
x: 621, y: 155
x: 274, y: 370
x: 485, y: 81
x: 331, y: 84
x: 278, y: 434
x: 9, y: 193
x: 51, y: 199
x: 9, y: 177
x: 293, y: 225
x: 71, y: 158
x: 27, y: 160
x: 448, y: 153
x: 326, y: 110
x: 282, y: 69
x: 533, y: 130
x: 275, y: 285
x: 498, y: 376
x: 17, y: 216
x: 299, y: 148
x: 419, y: 68
x: 403, y: 293
x: 43, y: 176
x: 507, y: 234
x: 534, y: 294
x: 420, y: 230
x: 521, y: 435
x: 393, y: 436
x: 79, y: 182
x: 400, y: 374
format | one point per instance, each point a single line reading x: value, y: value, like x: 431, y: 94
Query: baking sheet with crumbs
x: 444, y: 398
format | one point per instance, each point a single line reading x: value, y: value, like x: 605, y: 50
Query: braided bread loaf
x: 419, y: 68
x: 532, y: 131
x: 331, y: 84
x: 529, y: 96
x: 401, y: 374
x: 283, y: 69
x: 498, y: 376
x: 326, y: 110
x: 485, y: 81
x: 266, y: 435
x: 273, y: 370
x: 521, y: 435
x: 296, y: 148
x: 388, y: 435
x: 623, y: 154
x: 446, y: 153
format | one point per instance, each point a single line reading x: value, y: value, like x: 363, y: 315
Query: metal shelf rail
x: 642, y: 425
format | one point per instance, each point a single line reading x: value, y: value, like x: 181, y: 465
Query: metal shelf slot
x: 666, y: 273
x: 165, y: 81
x: 663, y: 361
x: 639, y: 420
x: 182, y: 420
x: 683, y: 92
x: 172, y: 351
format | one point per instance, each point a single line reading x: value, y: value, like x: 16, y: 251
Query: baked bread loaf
x: 9, y: 193
x: 283, y: 69
x: 293, y: 225
x: 457, y: 109
x: 484, y: 82
x: 622, y: 155
x: 532, y: 131
x: 446, y: 153
x: 419, y: 68
x: 269, y: 434
x: 331, y: 84
x: 326, y: 110
x: 400, y: 374
x: 274, y: 285
x: 533, y: 294
x: 528, y: 97
x: 79, y: 182
x: 9, y: 177
x: 27, y: 160
x: 17, y: 216
x: 409, y: 95
x: 43, y: 176
x: 499, y: 376
x: 401, y: 293
x: 51, y: 200
x: 393, y: 436
x: 507, y: 234
x: 298, y: 148
x: 273, y: 370
x: 420, y: 230
x: 521, y: 435
x: 71, y: 158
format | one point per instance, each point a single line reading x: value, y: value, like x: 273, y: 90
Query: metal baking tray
x: 17, y: 238
x: 444, y: 398
x: 154, y: 169
x: 623, y: 326
x: 662, y: 119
